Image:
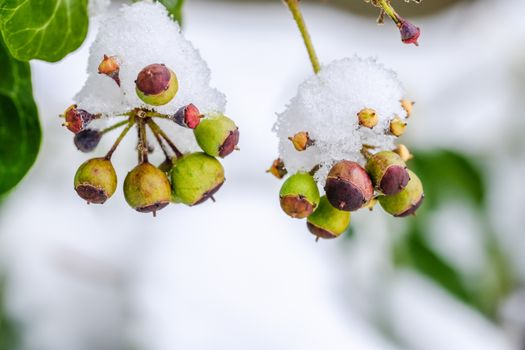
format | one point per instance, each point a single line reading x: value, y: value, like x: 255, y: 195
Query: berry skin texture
x: 407, y: 201
x: 156, y: 85
x: 147, y: 189
x: 328, y: 222
x: 77, y: 119
x: 96, y: 180
x: 188, y: 116
x: 367, y: 118
x: 87, y: 140
x: 299, y: 195
x: 218, y: 136
x: 388, y: 172
x: 348, y: 186
x: 195, y: 178
x: 301, y: 141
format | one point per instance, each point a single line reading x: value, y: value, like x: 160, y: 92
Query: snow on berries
x: 339, y: 133
x: 143, y: 72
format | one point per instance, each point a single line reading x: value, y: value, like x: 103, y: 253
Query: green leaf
x: 9, y: 335
x: 43, y: 29
x: 174, y: 8
x: 448, y: 175
x: 20, y: 133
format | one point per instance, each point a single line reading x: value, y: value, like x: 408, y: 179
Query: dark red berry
x: 87, y: 140
x: 77, y: 119
x: 348, y: 186
x: 188, y: 116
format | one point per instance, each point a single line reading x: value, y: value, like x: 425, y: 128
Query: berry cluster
x: 190, y: 178
x: 340, y: 133
x: 349, y: 186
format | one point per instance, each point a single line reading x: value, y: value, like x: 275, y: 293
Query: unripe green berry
x: 147, y: 189
x: 368, y: 118
x: 96, y: 180
x: 405, y: 202
x: 328, y: 222
x: 195, y: 178
x: 388, y: 172
x: 156, y: 84
x: 218, y: 136
x: 299, y: 195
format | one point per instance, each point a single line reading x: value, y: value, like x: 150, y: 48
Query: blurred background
x: 240, y: 274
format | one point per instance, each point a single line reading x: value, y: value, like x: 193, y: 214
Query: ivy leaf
x: 43, y: 29
x: 20, y: 133
x: 174, y: 8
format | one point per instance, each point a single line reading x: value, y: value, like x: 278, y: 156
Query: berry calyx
x: 348, y: 186
x: 110, y: 67
x: 397, y: 126
x: 218, y: 136
x: 156, y: 84
x: 407, y: 201
x: 147, y: 189
x: 367, y: 118
x: 87, y: 140
x: 278, y: 169
x: 328, y: 222
x: 403, y: 152
x: 388, y: 172
x: 195, y: 178
x: 299, y: 195
x: 188, y: 116
x: 96, y: 180
x: 408, y: 106
x: 301, y: 141
x: 77, y: 119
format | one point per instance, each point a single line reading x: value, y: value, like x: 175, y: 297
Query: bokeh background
x: 238, y: 273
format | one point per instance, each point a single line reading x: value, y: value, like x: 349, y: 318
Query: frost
x: 326, y: 106
x: 97, y: 7
x: 138, y: 35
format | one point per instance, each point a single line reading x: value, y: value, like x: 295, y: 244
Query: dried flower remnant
x: 278, y: 169
x: 110, y: 67
x: 301, y: 141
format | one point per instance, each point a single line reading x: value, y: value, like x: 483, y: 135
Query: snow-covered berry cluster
x: 141, y: 69
x: 340, y: 132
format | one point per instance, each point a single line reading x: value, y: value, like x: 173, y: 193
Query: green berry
x: 388, y: 172
x: 299, y: 195
x: 96, y: 180
x: 195, y: 178
x: 147, y: 189
x: 156, y: 85
x: 328, y: 222
x: 407, y: 201
x: 218, y: 136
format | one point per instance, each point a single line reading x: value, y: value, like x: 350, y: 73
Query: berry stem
x: 157, y: 115
x: 115, y: 126
x: 161, y: 144
x: 293, y: 6
x: 143, y: 142
x: 389, y: 10
x: 155, y: 128
x: 131, y: 122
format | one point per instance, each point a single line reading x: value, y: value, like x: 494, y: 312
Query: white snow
x: 326, y: 106
x: 138, y: 35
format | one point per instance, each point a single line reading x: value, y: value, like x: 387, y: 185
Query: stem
x: 115, y: 126
x: 143, y: 148
x: 157, y: 130
x: 293, y: 6
x: 157, y: 115
x: 131, y: 122
x: 161, y: 143
x: 389, y: 10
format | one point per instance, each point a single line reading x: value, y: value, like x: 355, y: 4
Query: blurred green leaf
x: 448, y: 175
x: 174, y: 8
x: 20, y: 133
x: 43, y: 29
x: 8, y: 331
